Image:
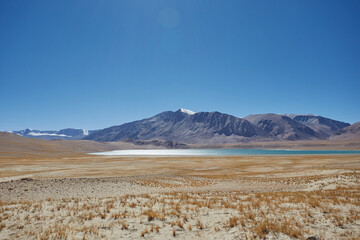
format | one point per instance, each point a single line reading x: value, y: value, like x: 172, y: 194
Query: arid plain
x: 54, y: 190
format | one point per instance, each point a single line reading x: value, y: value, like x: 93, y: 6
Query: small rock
x: 315, y: 237
x: 26, y: 179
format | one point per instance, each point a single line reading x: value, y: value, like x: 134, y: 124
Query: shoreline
x: 220, y: 152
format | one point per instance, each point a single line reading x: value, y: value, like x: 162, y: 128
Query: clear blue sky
x: 93, y: 64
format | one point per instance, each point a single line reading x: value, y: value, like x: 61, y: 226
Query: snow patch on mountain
x: 187, y: 111
x: 47, y: 134
x: 66, y: 134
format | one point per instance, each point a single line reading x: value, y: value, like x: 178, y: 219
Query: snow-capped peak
x: 187, y: 111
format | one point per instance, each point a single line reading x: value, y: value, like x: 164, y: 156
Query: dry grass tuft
x: 199, y: 225
x: 151, y: 215
x: 233, y: 222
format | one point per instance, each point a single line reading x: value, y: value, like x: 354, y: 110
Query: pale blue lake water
x: 220, y: 152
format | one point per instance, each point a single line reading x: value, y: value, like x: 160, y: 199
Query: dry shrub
x: 162, y: 217
x: 285, y: 227
x: 151, y: 215
x: 339, y: 221
x: 102, y: 215
x: 233, y: 222
x: 314, y: 202
x: 124, y: 226
x: 144, y: 232
x: 115, y: 215
x: 180, y: 224
x: 199, y: 225
x: 2, y: 226
x: 262, y: 229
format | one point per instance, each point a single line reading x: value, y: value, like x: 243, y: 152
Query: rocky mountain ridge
x: 185, y: 126
x: 188, y: 127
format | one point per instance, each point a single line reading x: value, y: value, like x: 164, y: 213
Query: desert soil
x: 80, y: 196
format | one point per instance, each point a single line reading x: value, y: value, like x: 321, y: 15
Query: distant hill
x: 349, y: 132
x: 65, y: 134
x: 282, y: 127
x: 12, y: 145
x: 296, y: 127
x: 325, y: 127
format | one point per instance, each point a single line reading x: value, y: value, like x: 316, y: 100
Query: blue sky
x: 93, y: 64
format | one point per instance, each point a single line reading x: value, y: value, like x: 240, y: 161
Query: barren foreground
x: 249, y: 197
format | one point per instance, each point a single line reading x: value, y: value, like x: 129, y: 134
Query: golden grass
x: 251, y: 215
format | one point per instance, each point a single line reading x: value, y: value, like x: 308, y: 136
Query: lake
x: 220, y: 152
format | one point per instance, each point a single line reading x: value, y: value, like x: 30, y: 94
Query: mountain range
x: 188, y: 127
x: 297, y: 127
x: 185, y: 126
x: 65, y: 134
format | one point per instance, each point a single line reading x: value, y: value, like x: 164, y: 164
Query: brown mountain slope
x: 350, y: 132
x: 282, y: 127
x: 14, y: 145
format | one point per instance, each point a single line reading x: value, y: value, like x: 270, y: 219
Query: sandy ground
x: 79, y: 196
x: 84, y: 165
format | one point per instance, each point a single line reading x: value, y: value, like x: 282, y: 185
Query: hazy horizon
x: 94, y: 64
